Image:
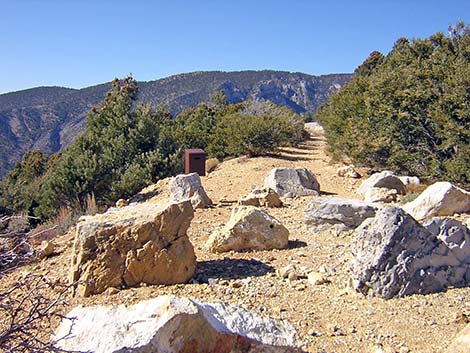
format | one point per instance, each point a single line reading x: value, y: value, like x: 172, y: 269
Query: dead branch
x: 28, y: 312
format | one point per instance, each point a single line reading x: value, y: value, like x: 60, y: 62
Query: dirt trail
x: 329, y: 317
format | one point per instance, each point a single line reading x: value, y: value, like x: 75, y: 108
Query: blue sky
x: 79, y: 43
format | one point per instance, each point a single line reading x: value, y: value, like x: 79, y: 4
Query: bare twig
x: 28, y: 312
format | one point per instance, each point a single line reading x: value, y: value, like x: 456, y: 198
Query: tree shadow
x: 297, y: 151
x: 327, y: 193
x: 144, y: 196
x: 295, y: 244
x: 288, y: 158
x: 228, y: 268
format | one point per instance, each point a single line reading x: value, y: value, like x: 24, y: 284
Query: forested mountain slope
x: 50, y: 118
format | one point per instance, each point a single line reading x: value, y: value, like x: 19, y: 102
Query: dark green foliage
x: 118, y: 154
x: 18, y: 189
x: 50, y: 118
x: 408, y: 111
x: 128, y: 145
x: 256, y: 129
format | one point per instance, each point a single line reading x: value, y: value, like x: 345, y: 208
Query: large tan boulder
x: 461, y: 343
x: 439, y: 199
x: 261, y: 197
x: 140, y: 243
x: 249, y: 228
x: 169, y: 324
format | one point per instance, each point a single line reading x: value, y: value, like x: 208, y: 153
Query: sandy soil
x: 330, y: 317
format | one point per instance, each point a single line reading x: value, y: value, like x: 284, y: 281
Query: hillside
x: 332, y: 317
x: 49, y: 118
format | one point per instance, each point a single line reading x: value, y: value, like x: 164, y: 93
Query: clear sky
x: 79, y: 43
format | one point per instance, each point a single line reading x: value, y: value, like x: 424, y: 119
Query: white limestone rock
x: 189, y: 186
x: 384, y: 195
x: 439, y: 199
x: 170, y: 324
x: 292, y: 182
x: 385, y: 179
x: 339, y: 212
x: 395, y: 256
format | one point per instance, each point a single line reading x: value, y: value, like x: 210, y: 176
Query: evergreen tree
x: 408, y: 111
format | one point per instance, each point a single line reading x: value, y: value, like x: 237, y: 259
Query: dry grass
x: 211, y: 164
x: 413, y: 191
x: 66, y: 218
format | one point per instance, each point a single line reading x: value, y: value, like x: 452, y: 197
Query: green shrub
x: 408, y: 111
x: 126, y: 147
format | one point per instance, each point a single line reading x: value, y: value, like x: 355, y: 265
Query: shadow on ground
x: 230, y: 269
x: 295, y: 244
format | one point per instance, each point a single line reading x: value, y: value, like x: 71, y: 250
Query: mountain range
x: 50, y: 118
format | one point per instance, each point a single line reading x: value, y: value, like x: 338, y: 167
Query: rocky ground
x: 330, y: 317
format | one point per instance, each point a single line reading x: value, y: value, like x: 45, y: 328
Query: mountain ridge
x: 49, y: 118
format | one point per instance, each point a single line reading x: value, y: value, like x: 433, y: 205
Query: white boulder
x: 394, y: 255
x: 170, y: 324
x: 189, y: 186
x: 439, y: 199
x: 380, y: 195
x: 342, y: 213
x: 292, y: 182
x: 385, y: 179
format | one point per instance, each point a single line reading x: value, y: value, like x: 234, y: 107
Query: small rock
x: 336, y: 330
x: 287, y: 270
x: 407, y: 180
x: 348, y: 172
x: 462, y: 317
x: 404, y: 349
x: 292, y: 276
x: 111, y: 291
x: 121, y: 203
x: 261, y: 197
x: 47, y: 249
x: 314, y: 333
x: 212, y: 281
x: 237, y: 284
x: 316, y: 278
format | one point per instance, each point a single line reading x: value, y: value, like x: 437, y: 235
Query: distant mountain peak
x: 50, y: 118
